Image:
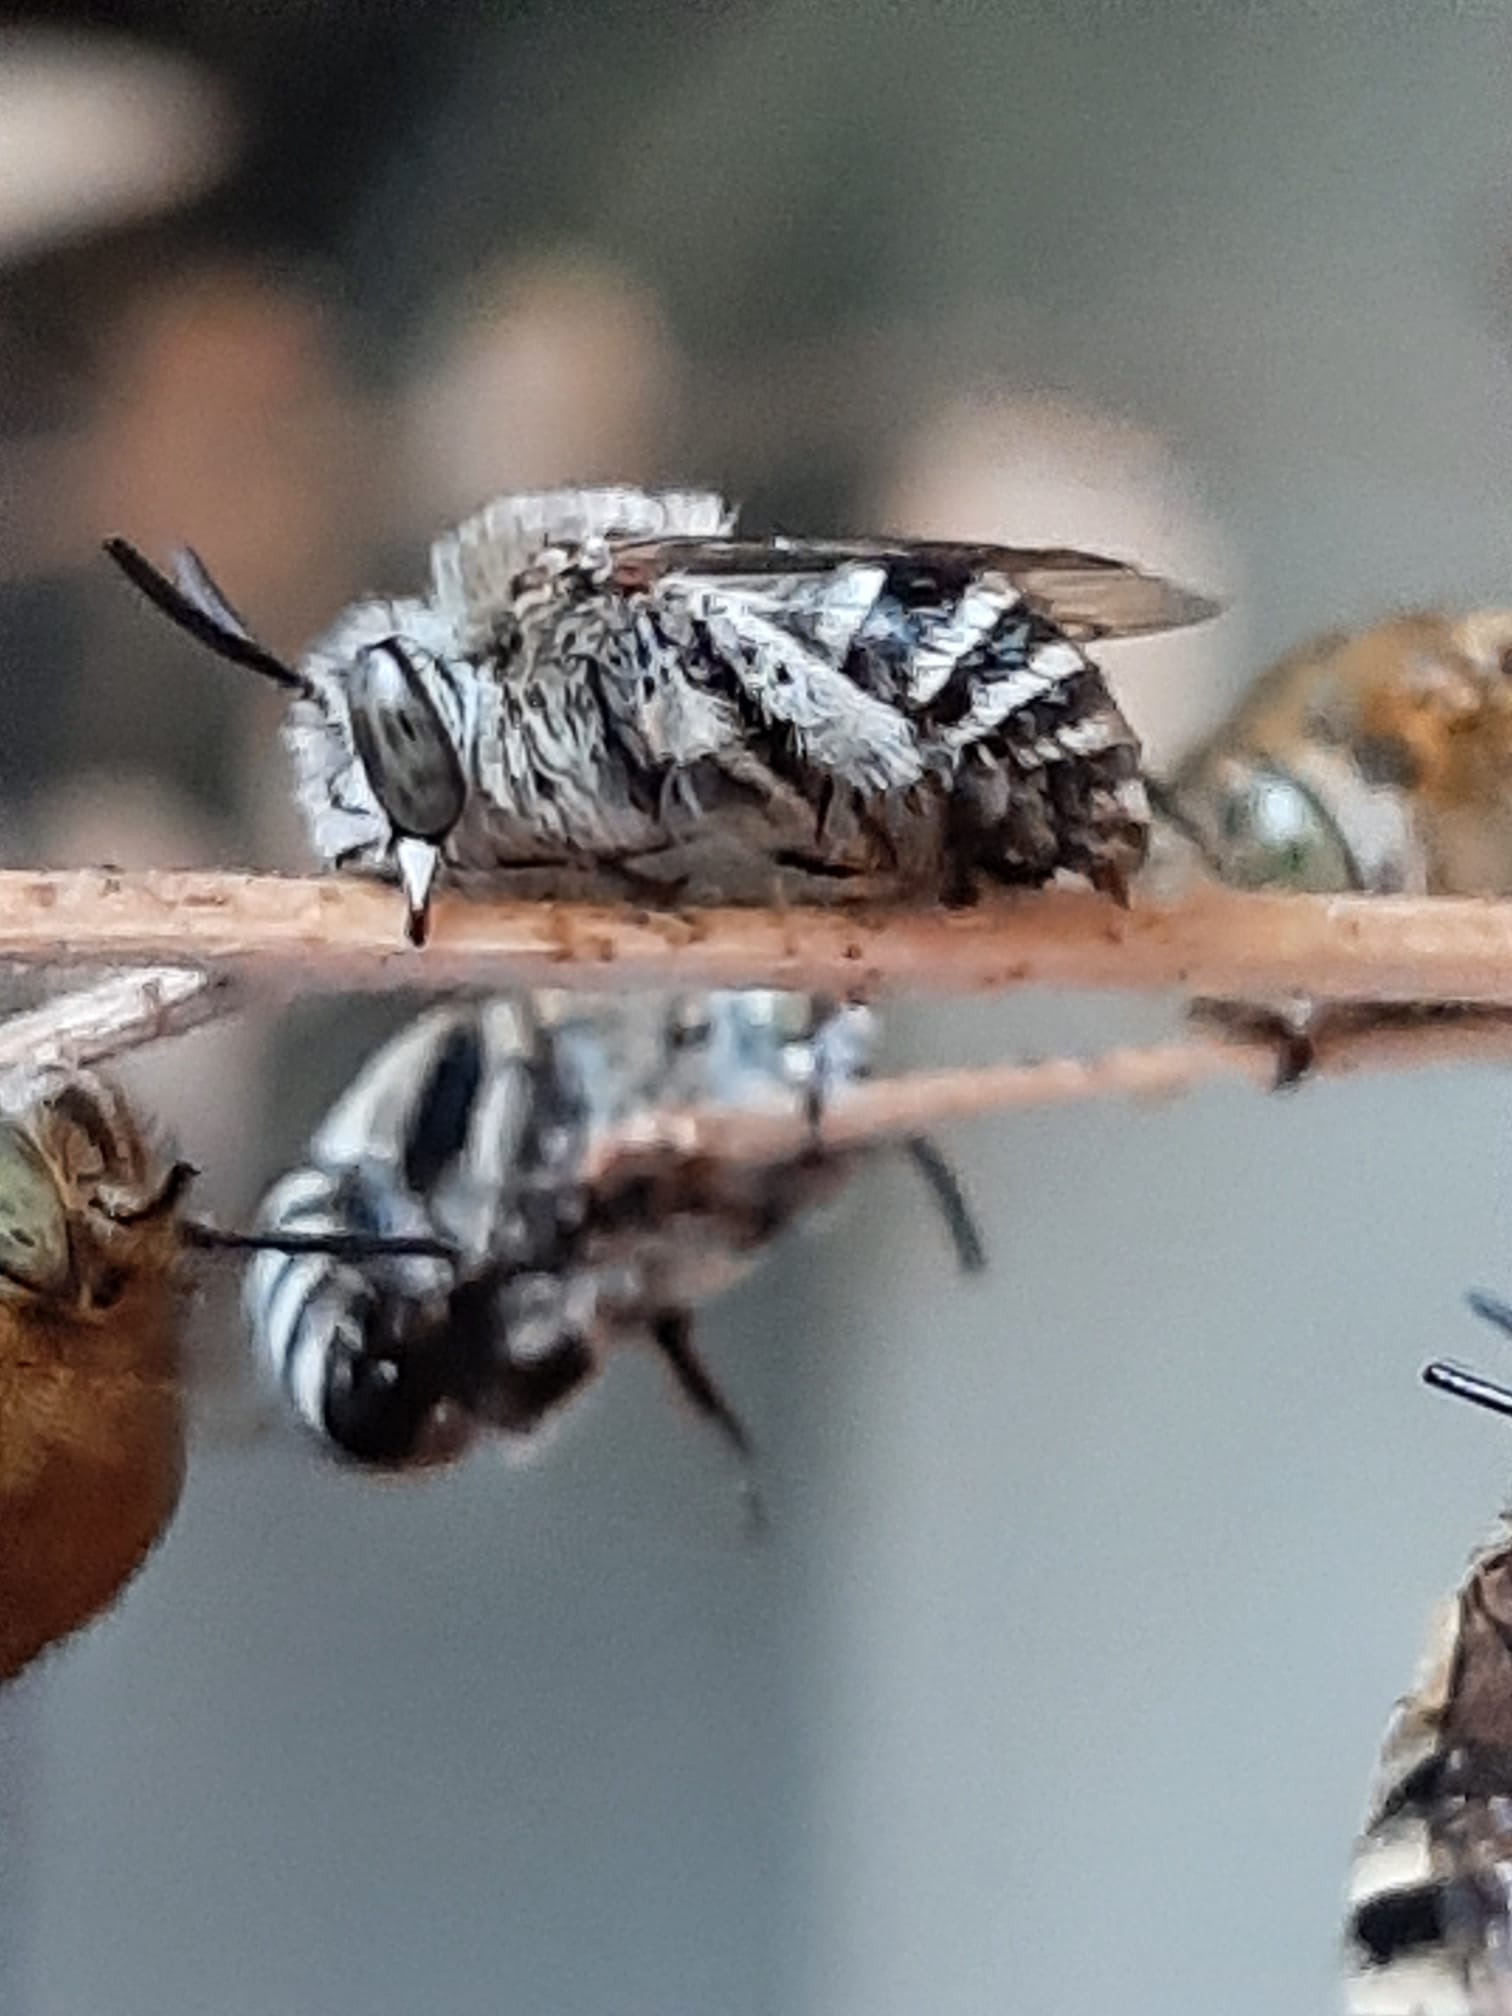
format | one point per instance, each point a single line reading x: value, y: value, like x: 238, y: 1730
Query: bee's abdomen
x: 1413, y: 1922
x: 1041, y: 770
x: 91, y: 1471
x: 1397, y: 1959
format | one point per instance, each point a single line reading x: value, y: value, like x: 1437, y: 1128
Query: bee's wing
x: 1086, y: 595
x: 473, y: 566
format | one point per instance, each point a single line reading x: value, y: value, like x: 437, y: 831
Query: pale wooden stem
x: 97, y: 1023
x: 918, y: 1102
x: 339, y: 932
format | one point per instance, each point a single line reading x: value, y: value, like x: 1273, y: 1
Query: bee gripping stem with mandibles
x: 607, y: 692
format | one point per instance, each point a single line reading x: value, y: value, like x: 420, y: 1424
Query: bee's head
x: 381, y: 748
x: 84, y: 1202
x: 380, y: 721
x: 36, y: 1257
x: 387, y: 1399
x: 408, y: 1383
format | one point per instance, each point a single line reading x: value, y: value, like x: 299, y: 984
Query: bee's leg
x: 639, y: 883
x: 163, y: 1202
x: 672, y: 1334
x: 944, y: 1187
x: 1294, y: 1039
x: 960, y: 884
x: 1109, y: 879
x: 1491, y: 1309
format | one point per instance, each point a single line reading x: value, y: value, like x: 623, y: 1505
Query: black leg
x: 672, y: 1334
x: 1294, y: 1043
x: 944, y: 1187
x: 163, y: 1202
x: 1491, y: 1309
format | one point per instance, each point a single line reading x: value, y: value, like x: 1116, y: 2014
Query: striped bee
x: 606, y: 692
x: 1430, y: 1898
x: 477, y: 1122
x: 1377, y: 762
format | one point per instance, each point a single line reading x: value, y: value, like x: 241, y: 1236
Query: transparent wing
x: 1086, y: 595
x: 473, y: 566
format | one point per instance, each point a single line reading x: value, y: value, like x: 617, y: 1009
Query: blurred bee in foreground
x: 479, y: 1123
x: 92, y: 1294
x: 606, y: 692
x: 1379, y: 762
x: 91, y: 1418
x: 1430, y: 1899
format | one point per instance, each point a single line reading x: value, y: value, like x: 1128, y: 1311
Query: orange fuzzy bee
x: 91, y: 1408
x: 1378, y: 761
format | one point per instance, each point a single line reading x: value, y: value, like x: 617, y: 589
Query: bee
x: 607, y: 692
x: 1429, y: 1930
x: 477, y: 1123
x: 93, y: 1289
x: 1377, y: 762
x: 91, y: 1410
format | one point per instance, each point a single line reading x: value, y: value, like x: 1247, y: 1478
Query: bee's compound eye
x: 1273, y: 834
x: 410, y: 758
x: 34, y: 1253
x: 386, y: 1412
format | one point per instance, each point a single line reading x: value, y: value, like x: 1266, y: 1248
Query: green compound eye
x: 1273, y: 834
x: 34, y: 1252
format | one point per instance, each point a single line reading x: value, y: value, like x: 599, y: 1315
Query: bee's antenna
x: 1466, y: 1385
x: 356, y: 1246
x: 194, y: 602
x: 1491, y: 1309
x: 1459, y: 1380
x: 944, y: 1187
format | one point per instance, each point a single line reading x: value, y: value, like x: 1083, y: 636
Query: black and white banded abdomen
x: 1428, y: 1927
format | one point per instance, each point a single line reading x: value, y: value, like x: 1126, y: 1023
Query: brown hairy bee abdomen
x: 91, y: 1449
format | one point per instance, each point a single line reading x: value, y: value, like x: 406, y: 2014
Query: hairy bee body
x: 91, y: 1417
x: 1380, y: 761
x: 474, y: 1125
x: 1430, y: 1900
x: 606, y: 691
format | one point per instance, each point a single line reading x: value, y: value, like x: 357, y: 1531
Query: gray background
x: 1057, y: 1682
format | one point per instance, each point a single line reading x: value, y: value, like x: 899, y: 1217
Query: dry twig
x: 94, y: 1024
x: 919, y: 1101
x: 338, y: 932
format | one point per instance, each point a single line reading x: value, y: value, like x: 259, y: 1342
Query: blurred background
x: 1057, y: 1682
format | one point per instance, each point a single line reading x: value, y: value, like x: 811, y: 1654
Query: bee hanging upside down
x: 478, y: 1123
x: 1379, y: 762
x: 1430, y: 1900
x: 607, y: 692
